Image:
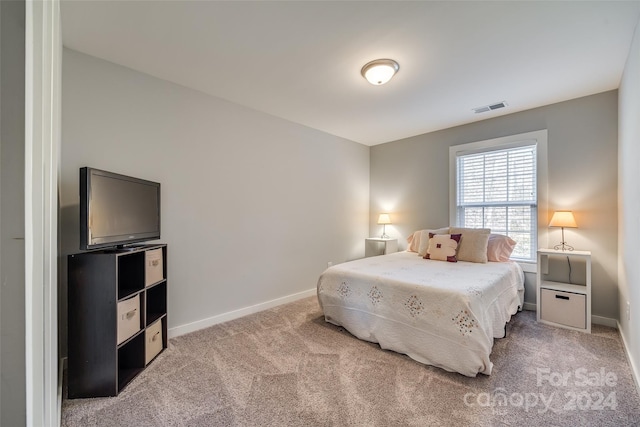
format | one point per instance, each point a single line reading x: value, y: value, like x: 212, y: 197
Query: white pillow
x: 423, y: 239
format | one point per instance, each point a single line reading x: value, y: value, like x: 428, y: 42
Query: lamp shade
x: 384, y: 219
x: 563, y: 219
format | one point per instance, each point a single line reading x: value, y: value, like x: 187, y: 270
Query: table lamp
x: 384, y: 219
x: 563, y: 219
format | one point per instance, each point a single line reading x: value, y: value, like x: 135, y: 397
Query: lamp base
x: 384, y: 232
x: 563, y: 247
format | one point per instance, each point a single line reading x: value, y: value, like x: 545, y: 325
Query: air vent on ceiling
x: 490, y: 107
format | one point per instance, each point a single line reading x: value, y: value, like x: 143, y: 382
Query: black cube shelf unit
x: 117, y: 317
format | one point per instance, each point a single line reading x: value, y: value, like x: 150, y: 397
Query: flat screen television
x: 117, y: 210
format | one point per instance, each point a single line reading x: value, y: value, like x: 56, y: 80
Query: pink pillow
x: 413, y: 242
x: 500, y: 247
x: 443, y: 247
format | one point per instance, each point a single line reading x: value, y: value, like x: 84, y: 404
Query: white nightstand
x: 561, y: 303
x: 378, y: 246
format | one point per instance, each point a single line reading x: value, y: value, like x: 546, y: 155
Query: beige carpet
x: 288, y: 367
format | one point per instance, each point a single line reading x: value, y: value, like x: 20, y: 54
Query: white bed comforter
x: 438, y: 313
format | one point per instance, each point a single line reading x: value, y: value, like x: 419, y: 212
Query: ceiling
x: 301, y: 60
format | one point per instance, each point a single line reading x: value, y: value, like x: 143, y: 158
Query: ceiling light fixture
x: 379, y: 71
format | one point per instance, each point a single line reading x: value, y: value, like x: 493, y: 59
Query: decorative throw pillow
x: 442, y: 247
x: 500, y: 247
x: 423, y: 239
x: 473, y: 244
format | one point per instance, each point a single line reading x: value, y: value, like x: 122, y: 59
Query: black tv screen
x: 117, y: 210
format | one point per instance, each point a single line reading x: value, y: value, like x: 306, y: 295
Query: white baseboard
x: 605, y: 321
x: 596, y: 320
x: 231, y: 315
x: 635, y: 372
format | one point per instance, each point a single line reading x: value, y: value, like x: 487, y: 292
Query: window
x: 494, y: 184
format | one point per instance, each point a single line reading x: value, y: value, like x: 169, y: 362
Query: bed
x: 444, y: 314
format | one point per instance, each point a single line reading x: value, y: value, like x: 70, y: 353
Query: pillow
x: 442, y: 247
x: 473, y: 244
x: 413, y: 242
x: 500, y: 247
x: 423, y: 239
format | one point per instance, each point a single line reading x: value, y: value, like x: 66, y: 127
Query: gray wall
x: 410, y: 178
x: 12, y: 262
x: 629, y: 203
x: 253, y: 206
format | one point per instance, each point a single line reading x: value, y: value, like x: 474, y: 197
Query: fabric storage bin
x: 154, y: 271
x: 128, y: 318
x: 566, y: 308
x: 153, y: 341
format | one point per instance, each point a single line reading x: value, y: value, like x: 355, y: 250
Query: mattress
x: 438, y: 313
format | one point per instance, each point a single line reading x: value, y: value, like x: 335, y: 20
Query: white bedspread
x: 438, y: 313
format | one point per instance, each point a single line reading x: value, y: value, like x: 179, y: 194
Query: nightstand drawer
x: 566, y: 308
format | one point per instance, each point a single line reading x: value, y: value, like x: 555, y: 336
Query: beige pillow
x: 423, y: 239
x: 473, y: 244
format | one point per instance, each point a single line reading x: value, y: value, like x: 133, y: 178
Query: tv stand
x: 131, y: 247
x: 117, y: 317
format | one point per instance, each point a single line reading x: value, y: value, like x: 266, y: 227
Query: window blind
x: 497, y: 189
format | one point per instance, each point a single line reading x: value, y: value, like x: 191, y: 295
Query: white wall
x: 410, y: 179
x: 629, y: 203
x: 12, y: 231
x: 253, y: 206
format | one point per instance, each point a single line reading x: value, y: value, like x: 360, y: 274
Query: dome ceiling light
x: 379, y: 71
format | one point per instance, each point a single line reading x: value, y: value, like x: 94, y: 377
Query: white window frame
x: 540, y: 139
